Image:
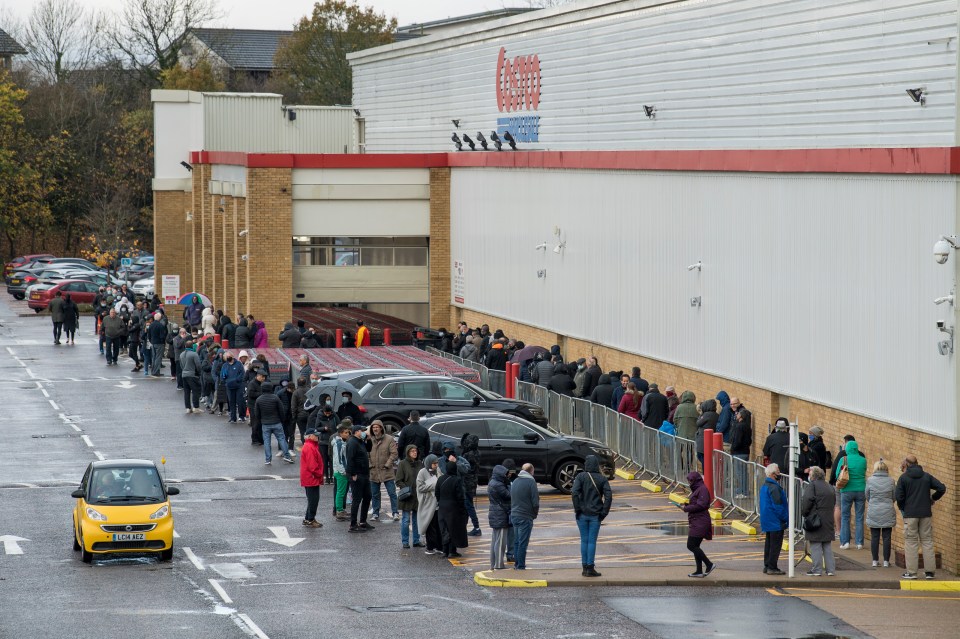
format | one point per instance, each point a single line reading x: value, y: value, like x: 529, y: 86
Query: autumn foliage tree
x: 312, y: 62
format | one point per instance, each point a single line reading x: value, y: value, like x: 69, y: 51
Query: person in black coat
x: 498, y: 494
x: 357, y: 465
x: 228, y: 330
x: 349, y: 410
x: 414, y: 433
x: 594, y: 373
x: 452, y: 512
x: 776, y: 448
x: 562, y: 382
x: 603, y: 392
x: 470, y: 450
x: 818, y: 448
x: 242, y: 336
x: 708, y: 419
x: 655, y: 407
x: 254, y: 390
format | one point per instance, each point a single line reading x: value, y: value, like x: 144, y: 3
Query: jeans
x: 391, y: 486
x: 522, y: 529
x: 57, y: 331
x: 772, y: 545
x: 858, y: 500
x: 743, y: 482
x: 822, y: 553
x: 234, y: 396
x: 589, y: 526
x: 191, y: 389
x: 511, y: 542
x: 313, y: 500
x: 917, y: 533
x: 112, y: 347
x: 361, y: 499
x: 277, y: 430
x: 147, y: 359
x: 406, y: 517
x: 875, y: 535
x: 133, y: 352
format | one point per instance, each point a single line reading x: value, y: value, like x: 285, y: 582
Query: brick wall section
x: 441, y: 314
x: 171, y: 237
x: 228, y: 251
x: 240, y: 267
x: 270, y: 247
x: 937, y: 455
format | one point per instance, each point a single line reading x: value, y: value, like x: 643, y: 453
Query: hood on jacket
x: 469, y: 442
x: 452, y: 468
x: 913, y: 472
x: 555, y: 350
x: 267, y: 387
x: 723, y: 398
x: 560, y: 369
x: 694, y: 479
x: 604, y: 379
x: 446, y: 445
x: 687, y: 397
x: 591, y: 464
x: 243, y: 321
x: 258, y: 324
x: 429, y: 461
x: 709, y: 406
x: 206, y: 312
x: 436, y: 449
x: 500, y: 473
x: 852, y: 448
x: 406, y: 451
x: 288, y: 326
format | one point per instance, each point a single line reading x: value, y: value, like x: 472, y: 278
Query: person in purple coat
x: 700, y: 525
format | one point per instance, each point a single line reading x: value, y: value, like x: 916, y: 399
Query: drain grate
x: 394, y: 608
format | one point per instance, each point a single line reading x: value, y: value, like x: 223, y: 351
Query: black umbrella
x: 528, y: 352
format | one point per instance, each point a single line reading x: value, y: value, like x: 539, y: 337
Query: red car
x: 17, y: 262
x: 79, y: 291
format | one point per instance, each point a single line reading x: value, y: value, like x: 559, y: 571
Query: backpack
x: 829, y: 461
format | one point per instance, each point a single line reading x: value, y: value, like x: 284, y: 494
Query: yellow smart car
x: 123, y: 507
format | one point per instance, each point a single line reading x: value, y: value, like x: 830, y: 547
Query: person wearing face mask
x: 773, y: 519
x: 427, y: 521
x: 358, y: 470
x: 349, y: 410
x: 324, y: 421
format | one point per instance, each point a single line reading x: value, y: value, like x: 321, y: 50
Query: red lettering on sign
x: 518, y: 82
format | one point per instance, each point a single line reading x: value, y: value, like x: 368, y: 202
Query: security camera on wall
x: 942, y: 248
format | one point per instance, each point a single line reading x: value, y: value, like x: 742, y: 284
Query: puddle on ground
x: 682, y: 529
x: 126, y: 561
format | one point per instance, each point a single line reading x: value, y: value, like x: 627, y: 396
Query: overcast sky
x: 281, y: 14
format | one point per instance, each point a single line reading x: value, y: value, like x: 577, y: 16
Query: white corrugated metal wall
x: 721, y: 74
x: 819, y: 286
x: 253, y: 123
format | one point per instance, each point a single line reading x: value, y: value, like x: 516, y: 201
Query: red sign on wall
x: 518, y: 82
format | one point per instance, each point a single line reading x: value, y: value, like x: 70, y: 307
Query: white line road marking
x: 176, y: 535
x: 86, y: 440
x: 31, y: 374
x: 233, y: 571
x: 197, y: 563
x: 54, y: 404
x: 99, y: 455
x: 75, y: 427
x: 477, y: 606
x: 254, y: 627
x: 43, y: 390
x: 220, y: 591
x: 11, y: 351
x: 277, y: 552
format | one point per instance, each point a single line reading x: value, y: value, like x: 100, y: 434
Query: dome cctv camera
x: 941, y: 251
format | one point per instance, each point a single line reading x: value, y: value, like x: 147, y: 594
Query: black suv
x: 390, y: 399
x: 556, y: 458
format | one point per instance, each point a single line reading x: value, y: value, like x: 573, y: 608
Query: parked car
x: 22, y: 260
x: 80, y: 291
x: 18, y: 283
x: 123, y: 506
x: 335, y: 383
x: 556, y: 458
x: 144, y: 287
x: 137, y: 272
x: 390, y: 399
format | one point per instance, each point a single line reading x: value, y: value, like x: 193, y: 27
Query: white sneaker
x: 844, y: 546
x: 876, y: 564
x: 189, y: 411
x: 886, y: 564
x: 859, y: 546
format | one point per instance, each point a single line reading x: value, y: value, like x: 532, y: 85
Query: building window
x: 359, y: 251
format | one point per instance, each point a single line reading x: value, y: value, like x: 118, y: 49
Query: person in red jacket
x: 363, y: 335
x: 311, y: 476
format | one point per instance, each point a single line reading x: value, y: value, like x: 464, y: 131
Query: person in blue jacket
x: 726, y: 416
x: 773, y: 519
x: 231, y: 376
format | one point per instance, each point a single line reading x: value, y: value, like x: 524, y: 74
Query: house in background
x: 242, y: 54
x: 9, y: 48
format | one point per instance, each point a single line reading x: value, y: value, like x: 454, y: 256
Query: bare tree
x: 61, y: 36
x: 149, y: 34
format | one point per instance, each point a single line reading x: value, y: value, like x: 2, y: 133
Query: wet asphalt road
x: 63, y: 408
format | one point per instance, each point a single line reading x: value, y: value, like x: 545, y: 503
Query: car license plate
x: 129, y: 536
x: 15, y: 282
x: 34, y: 296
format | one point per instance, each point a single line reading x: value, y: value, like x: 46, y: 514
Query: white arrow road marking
x: 282, y: 537
x: 125, y: 384
x: 11, y: 544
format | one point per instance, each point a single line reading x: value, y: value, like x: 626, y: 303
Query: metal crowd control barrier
x: 645, y: 451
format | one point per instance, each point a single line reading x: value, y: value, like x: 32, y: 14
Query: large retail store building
x: 739, y: 195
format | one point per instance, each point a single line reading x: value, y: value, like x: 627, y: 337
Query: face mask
x: 314, y: 382
x: 363, y: 434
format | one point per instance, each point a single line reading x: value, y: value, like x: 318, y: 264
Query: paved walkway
x: 643, y: 543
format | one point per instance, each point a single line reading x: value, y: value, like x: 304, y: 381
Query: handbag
x: 844, y: 477
x: 811, y: 520
x: 404, y: 493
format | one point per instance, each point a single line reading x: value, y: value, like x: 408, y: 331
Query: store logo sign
x: 518, y: 82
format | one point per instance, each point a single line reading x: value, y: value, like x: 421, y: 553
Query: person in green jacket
x: 685, y: 418
x: 853, y: 494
